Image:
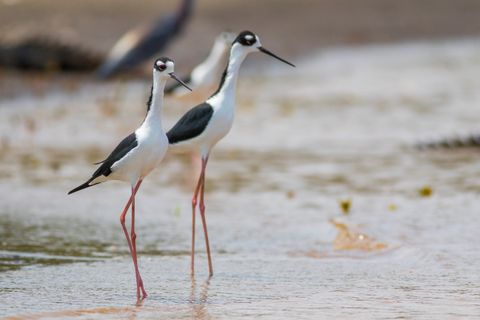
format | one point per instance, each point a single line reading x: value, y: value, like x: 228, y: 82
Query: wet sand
x: 274, y: 185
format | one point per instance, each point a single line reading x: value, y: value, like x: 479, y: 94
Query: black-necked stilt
x: 204, y: 125
x: 143, y: 42
x: 137, y: 155
x: 204, y: 76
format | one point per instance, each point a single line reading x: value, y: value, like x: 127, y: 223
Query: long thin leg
x: 133, y: 236
x: 122, y: 221
x: 194, y: 205
x: 124, y: 213
x: 202, y: 213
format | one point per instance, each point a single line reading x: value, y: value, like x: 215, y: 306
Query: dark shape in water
x: 469, y: 141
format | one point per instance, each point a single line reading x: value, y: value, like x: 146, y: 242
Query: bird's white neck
x: 226, y: 90
x: 213, y: 64
x: 155, y: 102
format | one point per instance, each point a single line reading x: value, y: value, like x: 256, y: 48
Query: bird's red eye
x: 160, y: 65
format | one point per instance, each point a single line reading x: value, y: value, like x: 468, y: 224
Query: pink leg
x: 134, y: 254
x: 124, y: 213
x: 202, y: 213
x: 194, y: 205
x: 122, y: 220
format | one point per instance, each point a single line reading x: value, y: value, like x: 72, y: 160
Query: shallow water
x: 340, y: 126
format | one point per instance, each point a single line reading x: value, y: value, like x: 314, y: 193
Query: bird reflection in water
x: 199, y: 305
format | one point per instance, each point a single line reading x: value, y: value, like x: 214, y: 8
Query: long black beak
x: 262, y: 49
x: 174, y: 76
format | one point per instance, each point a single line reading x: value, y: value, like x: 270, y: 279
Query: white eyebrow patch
x: 159, y: 63
x: 249, y: 37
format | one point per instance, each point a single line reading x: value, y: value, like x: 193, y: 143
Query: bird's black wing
x: 129, y: 140
x: 124, y: 147
x: 150, y: 41
x: 192, y: 124
x: 176, y: 84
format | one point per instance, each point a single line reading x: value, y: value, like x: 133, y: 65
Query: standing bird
x: 145, y: 41
x: 207, y: 123
x: 204, y: 76
x: 137, y: 155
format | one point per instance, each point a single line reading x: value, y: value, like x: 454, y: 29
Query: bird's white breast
x: 151, y: 147
x: 221, y: 121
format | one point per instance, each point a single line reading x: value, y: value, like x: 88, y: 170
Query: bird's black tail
x: 83, y: 186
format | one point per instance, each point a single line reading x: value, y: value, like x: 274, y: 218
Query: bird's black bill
x: 179, y: 80
x: 262, y: 49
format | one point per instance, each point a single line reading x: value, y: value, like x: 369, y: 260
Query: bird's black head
x: 246, y: 38
x: 163, y: 68
x: 249, y: 42
x: 161, y: 64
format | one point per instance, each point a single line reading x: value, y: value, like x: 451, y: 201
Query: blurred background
x: 347, y: 187
x: 293, y: 28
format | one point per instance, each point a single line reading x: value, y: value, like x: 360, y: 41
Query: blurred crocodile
x: 42, y: 53
x: 468, y: 141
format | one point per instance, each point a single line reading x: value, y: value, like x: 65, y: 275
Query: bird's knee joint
x: 134, y: 236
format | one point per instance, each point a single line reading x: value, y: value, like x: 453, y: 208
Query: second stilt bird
x: 207, y: 123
